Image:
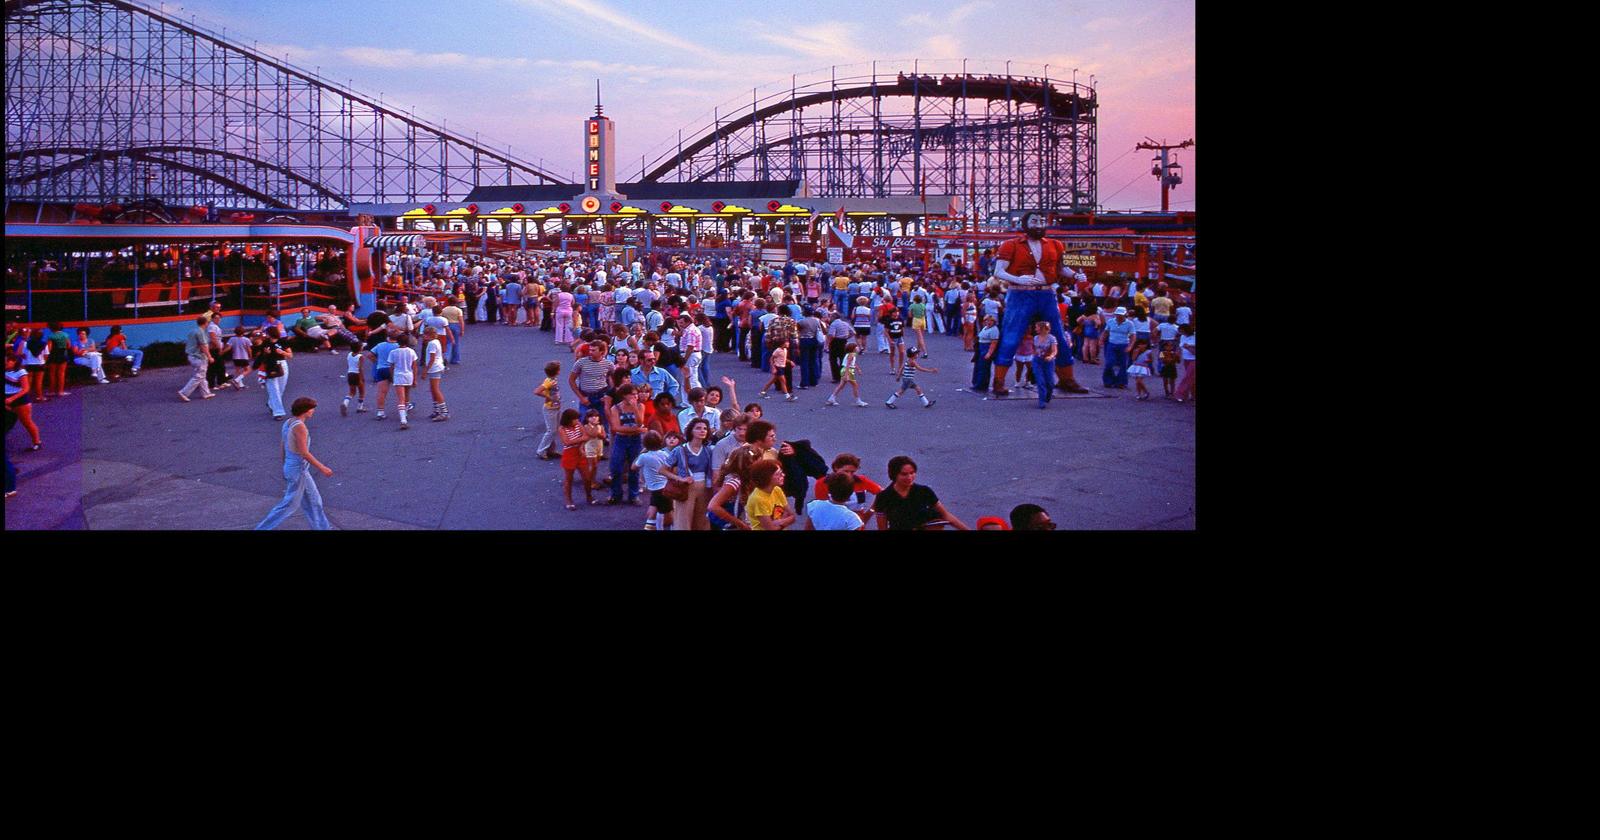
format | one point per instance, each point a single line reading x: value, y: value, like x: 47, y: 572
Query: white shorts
x: 402, y: 380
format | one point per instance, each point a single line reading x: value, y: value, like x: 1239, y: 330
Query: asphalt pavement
x: 131, y: 456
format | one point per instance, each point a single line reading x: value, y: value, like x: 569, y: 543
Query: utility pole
x: 1170, y: 172
x: 1171, y: 175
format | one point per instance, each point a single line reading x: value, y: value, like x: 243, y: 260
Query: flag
x: 838, y: 218
x: 811, y: 232
x: 954, y: 210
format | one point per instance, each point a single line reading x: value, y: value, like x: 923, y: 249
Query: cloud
x: 833, y: 41
x: 956, y: 16
x: 1102, y: 24
x: 646, y: 72
x: 940, y: 46
x: 615, y: 20
x: 961, y: 13
x: 395, y: 59
x: 391, y: 58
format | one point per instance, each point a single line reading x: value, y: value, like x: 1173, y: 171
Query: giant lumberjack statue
x: 1030, y: 265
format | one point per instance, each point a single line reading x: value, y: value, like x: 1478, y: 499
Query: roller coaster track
x: 1006, y: 141
x: 118, y: 84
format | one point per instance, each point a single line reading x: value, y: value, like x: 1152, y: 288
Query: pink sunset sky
x: 521, y: 73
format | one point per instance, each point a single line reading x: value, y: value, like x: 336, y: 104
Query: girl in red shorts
x: 573, y: 436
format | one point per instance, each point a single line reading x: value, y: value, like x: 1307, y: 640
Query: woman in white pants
x: 275, y: 352
x: 84, y: 353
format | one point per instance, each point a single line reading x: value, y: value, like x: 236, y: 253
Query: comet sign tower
x: 599, y: 160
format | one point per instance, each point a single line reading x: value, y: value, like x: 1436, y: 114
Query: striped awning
x: 395, y: 240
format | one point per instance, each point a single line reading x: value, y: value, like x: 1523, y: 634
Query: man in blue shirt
x: 1119, y: 335
x: 721, y: 323
x: 697, y: 410
x: 952, y: 311
x: 631, y: 314
x: 660, y: 381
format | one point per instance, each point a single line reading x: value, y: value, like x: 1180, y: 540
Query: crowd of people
x: 637, y: 411
x: 636, y: 415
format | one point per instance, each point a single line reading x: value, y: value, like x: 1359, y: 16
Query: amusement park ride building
x: 733, y: 201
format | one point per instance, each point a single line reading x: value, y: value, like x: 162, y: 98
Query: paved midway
x: 131, y: 456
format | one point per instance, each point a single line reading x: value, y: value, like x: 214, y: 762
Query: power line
x: 1101, y: 170
x: 1118, y: 192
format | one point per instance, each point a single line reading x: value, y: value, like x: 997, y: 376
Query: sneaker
x: 930, y: 403
x: 404, y: 426
x: 182, y: 397
x: 380, y: 415
x: 831, y: 401
x: 135, y: 371
x: 862, y: 403
x: 791, y: 398
x: 649, y: 526
x: 361, y: 409
x: 440, y: 418
x: 891, y: 405
x: 764, y: 395
x: 344, y: 409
